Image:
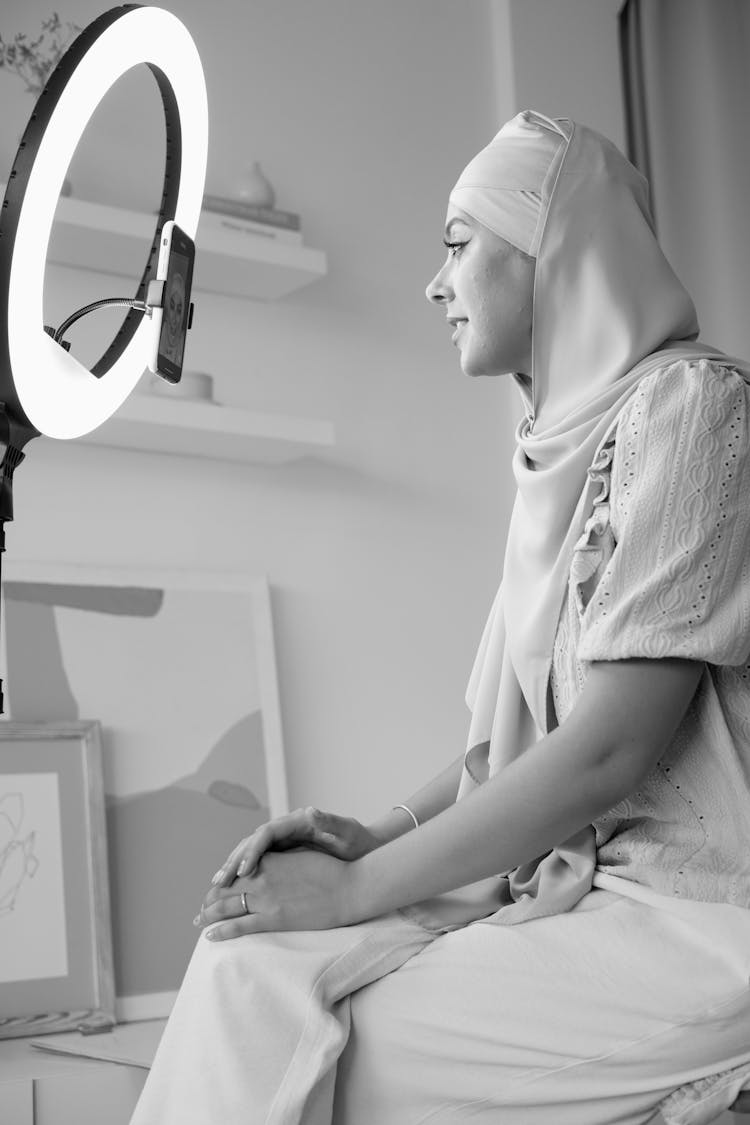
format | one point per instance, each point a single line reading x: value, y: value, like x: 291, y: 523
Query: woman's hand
x: 299, y: 890
x: 339, y: 836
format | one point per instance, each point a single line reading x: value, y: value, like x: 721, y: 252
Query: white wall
x: 566, y: 61
x: 697, y: 88
x: 383, y: 558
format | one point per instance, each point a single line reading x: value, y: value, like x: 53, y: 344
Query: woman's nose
x: 439, y: 291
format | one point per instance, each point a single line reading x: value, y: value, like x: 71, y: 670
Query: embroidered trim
x: 596, y: 543
x: 591, y: 552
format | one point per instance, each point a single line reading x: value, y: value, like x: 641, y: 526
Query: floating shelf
x: 202, y: 429
x: 115, y: 241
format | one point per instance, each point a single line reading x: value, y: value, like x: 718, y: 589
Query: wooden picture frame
x: 56, y: 964
x: 178, y: 667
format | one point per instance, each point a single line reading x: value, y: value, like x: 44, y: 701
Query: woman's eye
x: 453, y: 247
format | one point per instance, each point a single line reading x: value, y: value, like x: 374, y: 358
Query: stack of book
x: 247, y: 218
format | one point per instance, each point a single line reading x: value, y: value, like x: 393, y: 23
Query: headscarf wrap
x: 608, y: 311
x: 502, y: 186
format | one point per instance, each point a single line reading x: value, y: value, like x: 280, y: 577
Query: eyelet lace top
x: 662, y: 569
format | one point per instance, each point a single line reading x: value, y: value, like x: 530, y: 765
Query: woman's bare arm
x: 625, y: 717
x: 623, y: 721
x: 427, y: 802
x: 340, y: 836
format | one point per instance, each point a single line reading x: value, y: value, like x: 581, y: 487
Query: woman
x: 564, y: 936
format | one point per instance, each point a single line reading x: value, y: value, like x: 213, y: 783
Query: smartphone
x: 175, y: 268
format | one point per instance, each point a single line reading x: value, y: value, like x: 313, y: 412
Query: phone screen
x: 174, y: 324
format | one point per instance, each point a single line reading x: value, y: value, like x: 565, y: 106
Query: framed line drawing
x: 56, y: 967
x: 179, y: 669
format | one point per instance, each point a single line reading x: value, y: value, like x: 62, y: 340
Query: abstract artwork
x: 55, y: 923
x: 179, y: 670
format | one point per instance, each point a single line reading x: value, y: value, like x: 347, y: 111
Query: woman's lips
x: 457, y: 330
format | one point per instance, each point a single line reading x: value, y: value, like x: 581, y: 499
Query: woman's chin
x: 474, y: 368
x: 469, y: 363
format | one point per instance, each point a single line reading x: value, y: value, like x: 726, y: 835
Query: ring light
x: 44, y: 385
x: 44, y: 389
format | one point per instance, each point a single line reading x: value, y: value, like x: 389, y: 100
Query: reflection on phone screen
x: 174, y: 320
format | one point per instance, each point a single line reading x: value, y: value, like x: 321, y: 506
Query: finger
x: 254, y: 846
x: 215, y: 894
x: 316, y: 830
x: 331, y: 834
x: 321, y: 823
x: 238, y: 927
x: 303, y: 825
x: 283, y: 833
x: 225, y: 906
x: 226, y: 872
x: 258, y: 844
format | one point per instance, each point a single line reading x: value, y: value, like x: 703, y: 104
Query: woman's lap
x: 260, y: 1020
x: 584, y: 1018
x: 580, y: 1019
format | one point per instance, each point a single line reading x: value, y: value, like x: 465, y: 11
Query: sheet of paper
x: 32, y: 892
x: 132, y: 1044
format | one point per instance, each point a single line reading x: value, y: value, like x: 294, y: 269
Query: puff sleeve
x: 677, y: 583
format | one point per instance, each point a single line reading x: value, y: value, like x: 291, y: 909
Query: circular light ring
x: 42, y: 383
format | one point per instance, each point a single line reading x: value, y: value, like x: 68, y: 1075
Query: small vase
x: 255, y: 188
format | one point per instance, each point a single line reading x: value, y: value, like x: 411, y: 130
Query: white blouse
x: 663, y: 570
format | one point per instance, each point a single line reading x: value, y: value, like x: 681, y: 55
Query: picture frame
x: 178, y: 668
x: 56, y: 968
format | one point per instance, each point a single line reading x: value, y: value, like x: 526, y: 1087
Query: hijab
x: 502, y: 186
x: 608, y: 311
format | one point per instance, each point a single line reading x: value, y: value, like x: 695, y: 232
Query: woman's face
x: 486, y: 289
x: 175, y: 307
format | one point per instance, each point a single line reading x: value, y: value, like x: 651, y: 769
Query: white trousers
x: 585, y: 1018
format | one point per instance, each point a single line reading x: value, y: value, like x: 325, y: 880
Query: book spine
x: 239, y: 210
x: 246, y: 226
x: 259, y: 230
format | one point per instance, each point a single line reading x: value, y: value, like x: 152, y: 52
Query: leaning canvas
x: 179, y: 670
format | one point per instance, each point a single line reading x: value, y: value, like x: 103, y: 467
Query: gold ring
x: 243, y: 896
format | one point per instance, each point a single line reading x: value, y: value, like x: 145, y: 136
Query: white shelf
x: 201, y: 429
x: 115, y: 241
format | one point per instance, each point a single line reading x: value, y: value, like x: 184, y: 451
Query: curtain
x: 686, y: 79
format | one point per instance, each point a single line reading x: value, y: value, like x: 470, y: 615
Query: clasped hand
x: 293, y: 890
x: 284, y: 885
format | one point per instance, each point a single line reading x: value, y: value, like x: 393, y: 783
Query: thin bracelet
x: 411, y: 814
